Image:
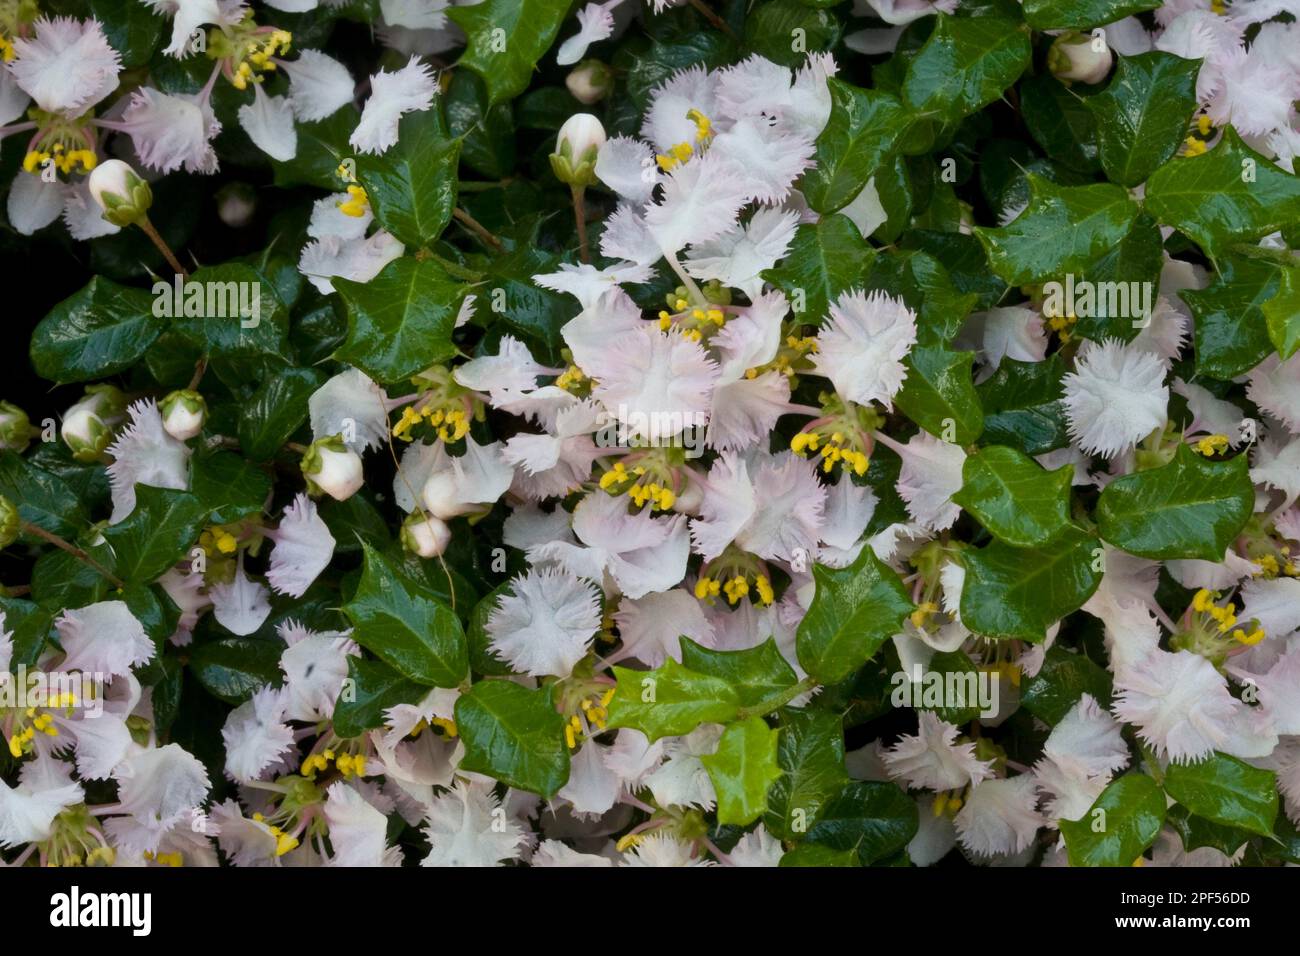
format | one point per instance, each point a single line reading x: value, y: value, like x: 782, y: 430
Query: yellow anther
x: 631, y: 840
x: 1203, y: 125
x: 764, y: 587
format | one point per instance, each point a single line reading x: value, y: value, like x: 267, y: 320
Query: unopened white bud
x: 426, y: 536
x: 120, y: 192
x: 183, y: 414
x: 332, y: 468
x: 1076, y: 57
x: 442, y: 497
x: 589, y: 82
x: 88, y: 425
x: 576, y: 146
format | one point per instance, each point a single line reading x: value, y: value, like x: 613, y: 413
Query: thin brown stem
x: 78, y: 553
x: 476, y: 227
x: 200, y: 367
x: 580, y: 219
x: 713, y: 18
x: 165, y: 249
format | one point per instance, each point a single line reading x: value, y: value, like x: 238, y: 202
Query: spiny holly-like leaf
x: 1142, y: 115
x: 1282, y: 313
x: 742, y: 769
x: 939, y: 394
x: 826, y: 258
x: 1228, y: 195
x: 1226, y: 791
x: 96, y: 332
x: 513, y: 734
x: 374, y: 688
x: 412, y: 186
x: 967, y: 63
x: 156, y: 534
x: 810, y: 753
x: 1132, y: 811
x: 875, y: 819
x: 400, y: 322
x: 853, y: 612
x: 757, y: 673
x: 1232, y: 330
x: 1022, y: 405
x: 1065, y: 229
x: 506, y: 39
x: 1020, y: 592
x: 1014, y: 497
x: 864, y: 126
x: 1189, y: 508
x: 1081, y: 14
x: 401, y: 621
x: 670, y: 700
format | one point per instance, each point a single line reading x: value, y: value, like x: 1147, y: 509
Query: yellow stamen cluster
x: 165, y: 859
x: 1006, y: 670
x: 448, y: 727
x: 595, y: 709
x: 217, y: 540
x: 707, y: 587
x: 347, y: 764
x: 21, y: 741
x: 257, y: 57
x: 451, y: 421
x: 684, y: 151
x: 357, y: 202
x: 1226, y: 615
x: 283, y: 841
x: 1212, y: 445
x: 795, y: 349
x: 1218, y: 7
x: 572, y: 377
x: 735, y: 587
x: 65, y: 161
x: 623, y: 480
x: 835, y: 449
x: 1271, y: 567
x: 946, y: 802
x: 7, y: 51
x: 924, y: 611
x: 1062, y: 325
x: 626, y: 843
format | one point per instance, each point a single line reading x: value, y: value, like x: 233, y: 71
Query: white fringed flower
x: 655, y: 384
x: 595, y: 23
x: 930, y: 476
x: 1275, y: 462
x: 628, y: 167
x: 188, y: 16
x: 546, y: 625
x: 303, y: 548
x: 1275, y: 387
x: 512, y: 370
x: 352, y: 405
x: 681, y: 780
x: 933, y: 760
x: 554, y: 853
x: 256, y: 737
x: 158, y: 789
x: 468, y: 483
x: 738, y: 256
x: 757, y: 848
x: 592, y: 788
x: 1000, y: 817
x: 392, y: 95
x: 358, y: 831
x: 701, y: 200
x: 554, y: 465
x: 144, y: 454
x: 103, y: 638
x: 1181, y: 707
x: 651, y: 627
x: 1079, y: 756
x: 66, y: 65
x: 172, y: 130
x: 357, y: 260
x: 319, y: 85
x: 27, y: 811
x: 1278, y: 689
x: 1274, y: 603
x: 769, y: 505
x: 862, y: 346
x: 1115, y: 397
x: 241, y: 604
x: 268, y: 121
x: 464, y: 828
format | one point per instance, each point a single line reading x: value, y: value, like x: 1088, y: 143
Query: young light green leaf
x: 1189, y: 508
x: 742, y: 769
x: 670, y: 700
x: 757, y: 673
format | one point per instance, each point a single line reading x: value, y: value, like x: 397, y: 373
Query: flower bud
x: 574, y: 159
x: 332, y: 468
x: 426, y: 536
x: 88, y: 425
x: 442, y: 498
x: 120, y: 192
x: 15, y: 428
x: 183, y: 414
x: 236, y: 204
x: 10, y: 523
x: 1080, y: 57
x: 590, y: 81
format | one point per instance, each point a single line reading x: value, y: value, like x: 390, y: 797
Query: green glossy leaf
x: 506, y: 39
x: 815, y: 855
x: 1232, y: 331
x: 1189, y: 508
x: 400, y: 322
x: 513, y: 734
x: 1142, y: 114
x: 742, y: 769
x: 228, y: 485
x: 853, y: 612
x: 864, y: 127
x: 99, y: 331
x: 965, y: 65
x: 1282, y: 314
x: 1060, y: 122
x: 757, y: 673
x: 1081, y: 14
x: 373, y: 688
x: 412, y: 186
x: 771, y: 25
x: 670, y: 700
x: 875, y: 819
x: 42, y: 497
x: 1064, y: 677
x: 1064, y: 229
x: 233, y: 311
x: 1227, y: 791
x: 402, y: 622
x: 925, y: 286
x: 810, y: 753
x: 939, y: 394
x: 156, y: 534
x: 1020, y: 592
x: 234, y: 668
x: 1197, y: 832
x: 825, y: 259
x: 28, y: 624
x: 1230, y: 194
x: 132, y: 29
x: 276, y: 410
x: 1014, y: 497
x: 1022, y: 405
x: 1132, y: 813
